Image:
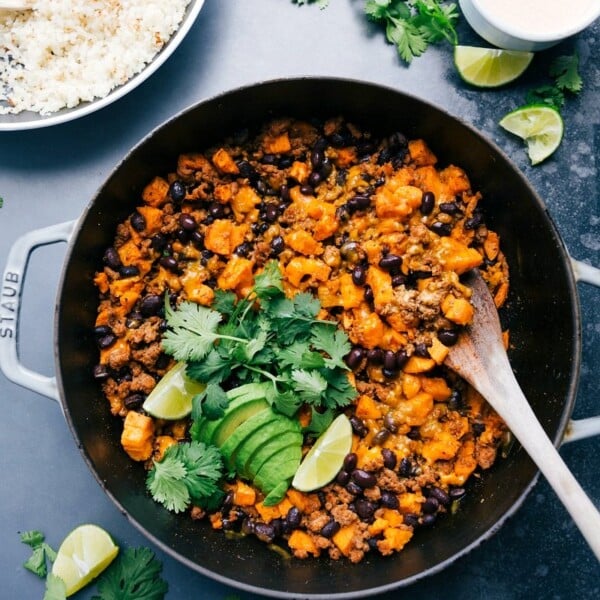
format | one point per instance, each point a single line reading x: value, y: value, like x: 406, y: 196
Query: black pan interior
x: 542, y: 315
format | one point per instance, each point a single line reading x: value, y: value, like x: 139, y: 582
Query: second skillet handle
x: 12, y: 289
x: 582, y: 428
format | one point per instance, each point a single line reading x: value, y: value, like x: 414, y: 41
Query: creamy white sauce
x: 539, y: 17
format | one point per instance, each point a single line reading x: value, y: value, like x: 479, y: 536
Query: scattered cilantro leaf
x: 55, y: 588
x: 188, y: 472
x: 413, y: 25
x: 41, y: 552
x: 333, y: 342
x: 134, y: 575
x: 546, y: 94
x: 565, y: 70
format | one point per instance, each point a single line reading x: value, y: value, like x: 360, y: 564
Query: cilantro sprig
x: 264, y: 338
x: 41, y: 552
x: 188, y: 472
x: 413, y: 25
x: 564, y: 70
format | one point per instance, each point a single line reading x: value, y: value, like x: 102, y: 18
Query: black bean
x: 112, y: 258
x: 177, y: 191
x: 414, y: 433
x: 330, y: 529
x: 401, y: 358
x: 390, y: 422
x: 101, y: 372
x: 421, y: 350
x: 364, y: 508
x: 197, y: 239
x: 391, y: 263
x: 307, y: 190
x: 406, y: 467
x: 375, y: 356
x: 455, y: 401
x: 398, y: 280
x: 187, y: 222
x: 342, y: 213
x: 260, y: 186
x: 350, y: 461
x: 314, y: 179
x: 430, y: 506
x: 137, y: 221
x: 326, y: 169
x: 381, y: 436
x: 246, y: 170
x: 102, y: 330
x: 247, y: 526
x: 352, y: 252
x: 389, y: 360
x: 450, y: 208
x: 427, y: 203
x: 162, y: 362
x: 293, y: 517
x: 411, y: 520
x: 354, y: 488
x: 158, y: 242
x: 182, y: 235
x: 474, y: 222
x: 216, y: 210
x: 243, y: 249
x: 358, y: 426
x: 389, y: 499
x: 285, y: 162
x: 151, y: 305
x: 268, y: 159
x: 129, y: 271
x: 456, y: 493
x: 359, y: 202
x: 277, y: 245
x: 134, y: 401
x: 440, y: 495
x: 271, y: 212
x: 284, y: 193
x: 442, y: 229
x: 448, y: 337
x: 316, y: 157
x: 343, y: 477
x: 265, y: 532
x: 389, y: 456
x: 363, y: 478
x: 107, y: 340
x: 428, y: 520
x: 168, y: 262
x: 355, y: 357
x: 389, y: 373
x: 359, y: 275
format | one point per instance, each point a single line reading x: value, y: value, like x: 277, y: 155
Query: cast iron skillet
x: 546, y: 360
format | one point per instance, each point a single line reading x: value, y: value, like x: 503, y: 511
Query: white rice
x: 70, y: 51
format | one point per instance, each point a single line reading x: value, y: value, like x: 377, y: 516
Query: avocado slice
x: 260, y: 437
x: 277, y: 494
x: 235, y: 417
x: 240, y: 408
x: 275, y: 446
x: 277, y: 469
x: 244, y: 430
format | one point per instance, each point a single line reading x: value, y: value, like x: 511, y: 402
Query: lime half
x: 490, y: 67
x: 540, y: 126
x: 172, y: 397
x: 326, y: 457
x: 83, y: 555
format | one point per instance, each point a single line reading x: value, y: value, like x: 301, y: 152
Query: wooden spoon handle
x: 523, y: 423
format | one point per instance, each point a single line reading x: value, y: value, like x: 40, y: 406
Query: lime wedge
x: 326, y: 457
x: 83, y: 555
x: 540, y: 126
x: 490, y: 67
x: 172, y: 397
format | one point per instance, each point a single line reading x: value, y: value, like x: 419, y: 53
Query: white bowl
x: 515, y: 34
x: 30, y: 120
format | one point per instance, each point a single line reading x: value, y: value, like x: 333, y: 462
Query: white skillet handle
x: 583, y: 428
x: 12, y: 289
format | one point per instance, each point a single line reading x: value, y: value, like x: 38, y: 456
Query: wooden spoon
x: 479, y: 357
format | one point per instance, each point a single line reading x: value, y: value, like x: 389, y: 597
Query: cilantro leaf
x: 309, y: 384
x: 565, y: 71
x: 268, y: 284
x: 332, y: 341
x: 41, y: 552
x: 191, y: 331
x: 546, y: 94
x: 224, y: 302
x: 210, y: 403
x: 340, y: 392
x: 187, y: 472
x: 319, y: 421
x: 55, y: 588
x: 134, y: 575
x: 299, y: 355
x: 377, y: 9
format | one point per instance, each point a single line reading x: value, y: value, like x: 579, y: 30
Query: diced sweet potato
x: 243, y: 494
x: 299, y: 171
x: 156, y: 192
x: 137, y: 436
x: 303, y: 242
x: 344, y: 538
x: 381, y: 284
x: 455, y: 256
x: 161, y: 444
x: 438, y: 351
x: 236, y: 274
x: 420, y: 153
x: 397, y: 202
x: 223, y: 236
x: 278, y: 144
x: 308, y: 270
x: 352, y: 295
x: 152, y: 218
x: 443, y: 446
x: 418, y: 364
x: 367, y: 408
x: 224, y: 162
x: 305, y: 503
x: 394, y: 539
x: 414, y: 411
x: 437, y: 387
x: 302, y: 544
x: 457, y: 310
